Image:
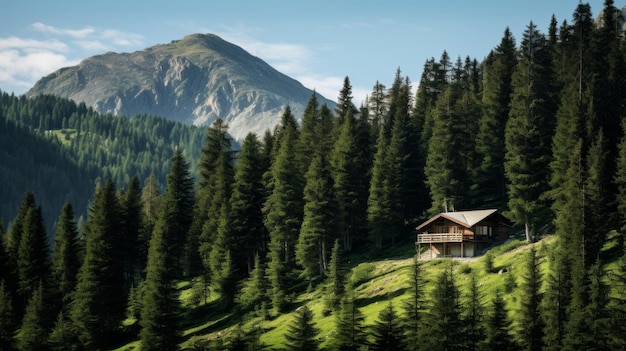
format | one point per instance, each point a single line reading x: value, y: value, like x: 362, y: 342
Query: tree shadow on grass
x: 211, y: 315
x: 365, y: 301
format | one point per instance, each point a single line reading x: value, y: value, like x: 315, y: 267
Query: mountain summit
x: 193, y: 80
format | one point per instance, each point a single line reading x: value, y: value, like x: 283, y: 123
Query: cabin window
x: 482, y: 230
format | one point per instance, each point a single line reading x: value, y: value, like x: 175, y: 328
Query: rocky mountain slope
x: 193, y: 80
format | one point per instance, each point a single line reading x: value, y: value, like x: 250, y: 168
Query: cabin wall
x: 447, y: 226
x: 452, y: 250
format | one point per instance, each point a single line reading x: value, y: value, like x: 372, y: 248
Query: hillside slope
x: 378, y: 280
x: 193, y: 80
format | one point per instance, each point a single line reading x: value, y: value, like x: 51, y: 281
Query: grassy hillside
x: 379, y: 279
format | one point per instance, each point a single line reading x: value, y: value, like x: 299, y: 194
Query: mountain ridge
x: 193, y: 80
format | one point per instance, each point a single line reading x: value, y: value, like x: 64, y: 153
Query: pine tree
x: 377, y: 107
x: 160, y: 325
x: 530, y: 326
x: 620, y: 183
x: 490, y: 187
x: 15, y: 230
x: 617, y: 304
x: 569, y: 253
x: 34, y: 333
x: 335, y: 284
x: 571, y: 115
x: 595, y: 202
x: 351, y: 334
x: 221, y: 239
x: 498, y: 327
x: 5, y: 268
x: 556, y: 298
x: 387, y: 331
x: 309, y: 138
x: 253, y: 290
x: 528, y: 135
x: 377, y: 203
x: 99, y: 301
x: 466, y: 113
x: 361, y: 179
x: 597, y: 309
x: 249, y: 236
x: 318, y: 225
x: 33, y: 261
x: 216, y: 172
x: 130, y: 202
x: 301, y: 333
x: 606, y: 57
x: 394, y: 185
x: 473, y: 318
x: 439, y: 168
x: 443, y: 330
x: 65, y: 263
x: 576, y: 324
x: 7, y: 319
x: 150, y: 199
x: 414, y: 306
x: 350, y: 177
x: 160, y: 310
x: 283, y: 212
x: 61, y: 338
x: 344, y: 102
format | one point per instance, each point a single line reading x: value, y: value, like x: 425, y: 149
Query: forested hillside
x: 59, y: 150
x: 535, y: 130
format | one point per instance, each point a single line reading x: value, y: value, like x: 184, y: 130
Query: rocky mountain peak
x: 195, y: 80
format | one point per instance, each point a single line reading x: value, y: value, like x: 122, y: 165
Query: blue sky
x: 316, y: 42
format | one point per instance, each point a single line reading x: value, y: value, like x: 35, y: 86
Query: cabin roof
x: 465, y: 218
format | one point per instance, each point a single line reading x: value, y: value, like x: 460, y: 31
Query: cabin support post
x: 462, y: 250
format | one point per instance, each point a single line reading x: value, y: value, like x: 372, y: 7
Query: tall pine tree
x: 65, y: 262
x: 33, y: 255
x: 387, y: 331
x: 283, y: 209
x: 318, y: 224
x: 302, y: 334
x: 160, y: 329
x: 99, y: 301
x: 413, y: 307
x: 490, y: 184
x: 249, y: 236
x: 530, y: 326
x: 443, y: 331
x: 528, y: 133
x: 498, y: 327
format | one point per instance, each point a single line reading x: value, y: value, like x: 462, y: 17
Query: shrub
x: 362, y: 273
x: 488, y: 261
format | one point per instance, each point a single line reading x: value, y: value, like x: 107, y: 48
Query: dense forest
x: 59, y: 150
x: 536, y: 130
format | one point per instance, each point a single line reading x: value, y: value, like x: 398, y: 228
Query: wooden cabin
x: 462, y: 234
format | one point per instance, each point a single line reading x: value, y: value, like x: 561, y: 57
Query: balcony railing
x: 439, y: 238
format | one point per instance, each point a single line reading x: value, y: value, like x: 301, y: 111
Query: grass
x: 65, y: 136
x: 378, y: 281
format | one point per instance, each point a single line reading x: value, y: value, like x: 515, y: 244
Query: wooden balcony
x: 439, y: 238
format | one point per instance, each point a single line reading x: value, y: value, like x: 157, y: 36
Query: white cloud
x: 92, y: 45
x: 25, y: 60
x: 15, y: 43
x: 20, y: 69
x: 74, y: 33
x: 120, y: 38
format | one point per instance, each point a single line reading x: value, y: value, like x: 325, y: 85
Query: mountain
x: 193, y: 80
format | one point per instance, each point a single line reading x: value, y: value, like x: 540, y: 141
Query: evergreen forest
x: 138, y: 233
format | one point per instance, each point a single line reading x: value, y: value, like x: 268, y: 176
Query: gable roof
x: 465, y: 218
